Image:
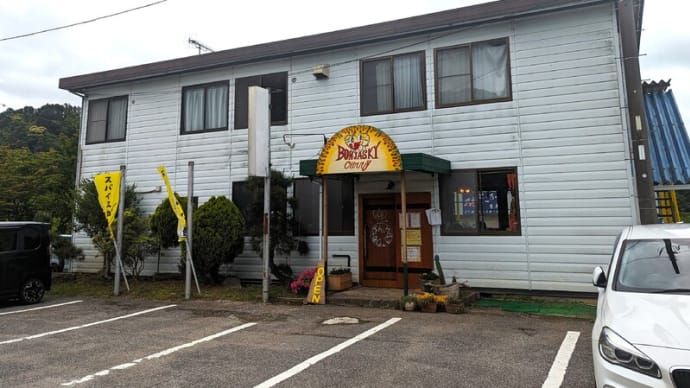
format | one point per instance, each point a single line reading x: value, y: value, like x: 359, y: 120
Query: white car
x: 641, y: 335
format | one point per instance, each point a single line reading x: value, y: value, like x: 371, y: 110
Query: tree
x: 283, y: 223
x: 38, y: 155
x: 91, y: 220
x: 217, y: 237
x: 163, y: 224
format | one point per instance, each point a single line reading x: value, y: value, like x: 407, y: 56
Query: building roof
x: 669, y: 146
x: 429, y: 23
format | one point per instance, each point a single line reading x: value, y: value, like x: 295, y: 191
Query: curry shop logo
x: 358, y: 153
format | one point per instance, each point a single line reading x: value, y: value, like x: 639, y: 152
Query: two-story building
x: 518, y: 124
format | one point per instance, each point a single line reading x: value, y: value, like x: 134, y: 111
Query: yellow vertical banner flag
x: 174, y: 204
x: 108, y: 188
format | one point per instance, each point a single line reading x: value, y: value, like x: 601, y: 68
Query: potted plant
x: 303, y: 281
x: 408, y: 303
x: 426, y: 302
x: 455, y: 306
x: 339, y: 279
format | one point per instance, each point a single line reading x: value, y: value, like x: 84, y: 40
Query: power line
x: 82, y: 22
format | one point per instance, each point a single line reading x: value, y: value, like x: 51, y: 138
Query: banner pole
x: 188, y: 240
x: 120, y: 227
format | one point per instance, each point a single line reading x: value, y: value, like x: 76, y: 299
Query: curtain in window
x: 489, y: 68
x: 193, y: 109
x: 454, y: 76
x: 407, y: 81
x: 384, y: 93
x: 117, y: 118
x: 216, y: 107
x: 95, y: 128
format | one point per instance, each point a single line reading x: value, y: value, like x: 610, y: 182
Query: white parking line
x: 85, y: 325
x: 41, y: 308
x: 306, y: 364
x: 560, y: 364
x: 166, y: 352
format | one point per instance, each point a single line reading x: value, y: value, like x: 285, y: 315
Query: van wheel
x: 32, y: 291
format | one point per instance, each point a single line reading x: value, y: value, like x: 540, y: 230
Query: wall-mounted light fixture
x: 321, y: 71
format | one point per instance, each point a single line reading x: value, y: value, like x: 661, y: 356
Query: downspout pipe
x: 628, y: 26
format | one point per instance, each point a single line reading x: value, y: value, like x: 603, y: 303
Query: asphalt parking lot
x: 139, y: 343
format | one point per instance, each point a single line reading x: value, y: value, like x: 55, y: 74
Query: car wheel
x: 32, y: 291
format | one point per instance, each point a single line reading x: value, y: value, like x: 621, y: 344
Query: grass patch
x: 561, y: 308
x: 93, y: 285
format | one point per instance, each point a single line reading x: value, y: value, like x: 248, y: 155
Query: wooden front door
x: 380, y: 239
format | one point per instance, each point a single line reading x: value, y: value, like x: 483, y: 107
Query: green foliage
x: 163, y: 222
x: 91, y: 220
x: 217, y: 237
x: 282, y: 223
x: 38, y: 154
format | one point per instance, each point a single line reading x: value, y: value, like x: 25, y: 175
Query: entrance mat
x: 541, y: 307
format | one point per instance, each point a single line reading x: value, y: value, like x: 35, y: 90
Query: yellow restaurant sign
x: 358, y: 149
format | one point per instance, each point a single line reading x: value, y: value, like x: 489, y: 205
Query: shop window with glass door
x: 479, y: 202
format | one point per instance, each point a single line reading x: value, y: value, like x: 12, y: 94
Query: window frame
x: 390, y: 59
x: 479, y: 231
x: 205, y: 86
x: 335, y: 195
x: 106, y: 138
x: 473, y: 101
x: 274, y: 96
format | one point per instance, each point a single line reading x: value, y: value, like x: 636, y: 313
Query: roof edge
x: 394, y: 29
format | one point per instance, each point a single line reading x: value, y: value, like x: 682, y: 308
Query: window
x: 276, y: 82
x: 205, y: 107
x: 479, y: 202
x: 473, y: 73
x: 8, y: 240
x: 107, y: 120
x: 307, y: 195
x: 393, y: 84
x: 341, y: 207
x: 242, y: 197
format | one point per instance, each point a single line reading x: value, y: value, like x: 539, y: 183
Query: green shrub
x: 217, y: 237
x: 163, y: 222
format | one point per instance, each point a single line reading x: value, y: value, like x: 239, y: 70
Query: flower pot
x: 430, y: 307
x: 455, y: 308
x: 340, y: 282
x: 409, y: 306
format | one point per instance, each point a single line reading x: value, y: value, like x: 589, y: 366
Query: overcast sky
x: 30, y: 67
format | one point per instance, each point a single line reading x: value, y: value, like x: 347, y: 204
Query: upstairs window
x: 107, y: 120
x: 473, y: 73
x: 205, y: 107
x: 393, y: 84
x: 277, y: 85
x: 479, y: 202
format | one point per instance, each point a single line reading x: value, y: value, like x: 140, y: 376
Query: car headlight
x: 618, y: 351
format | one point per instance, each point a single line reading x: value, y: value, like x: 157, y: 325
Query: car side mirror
x: 599, y: 277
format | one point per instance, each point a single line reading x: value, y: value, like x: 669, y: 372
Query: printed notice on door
x: 414, y: 254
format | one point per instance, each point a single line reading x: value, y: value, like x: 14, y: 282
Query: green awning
x: 410, y: 162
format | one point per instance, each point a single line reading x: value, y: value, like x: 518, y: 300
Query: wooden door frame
x: 416, y: 198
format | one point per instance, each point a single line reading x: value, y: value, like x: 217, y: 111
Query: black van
x: 24, y: 261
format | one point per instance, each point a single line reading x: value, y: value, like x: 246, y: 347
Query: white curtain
x: 217, y: 107
x: 489, y: 70
x: 384, y: 101
x: 407, y: 81
x: 454, y: 76
x: 193, y: 109
x: 117, y: 119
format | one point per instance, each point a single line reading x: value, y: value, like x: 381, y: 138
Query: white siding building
x: 524, y: 101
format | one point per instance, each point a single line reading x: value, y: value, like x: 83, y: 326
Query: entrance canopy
x: 361, y: 149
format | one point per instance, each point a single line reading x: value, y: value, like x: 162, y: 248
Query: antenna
x: 200, y: 46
